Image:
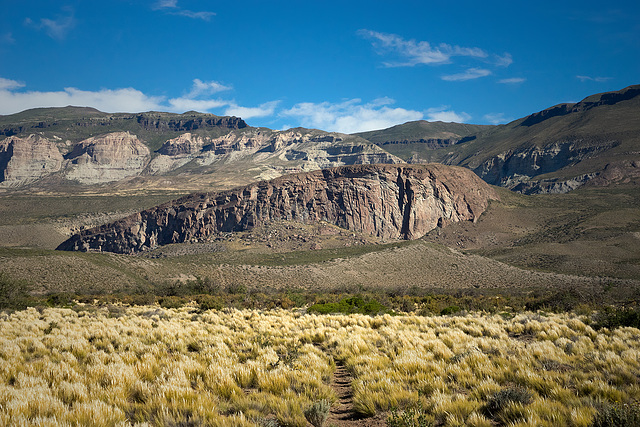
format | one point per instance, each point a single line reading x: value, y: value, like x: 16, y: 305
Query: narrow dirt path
x: 342, y: 412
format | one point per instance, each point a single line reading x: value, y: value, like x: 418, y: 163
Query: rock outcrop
x: 389, y: 201
x: 25, y: 160
x: 107, y: 158
x: 512, y: 168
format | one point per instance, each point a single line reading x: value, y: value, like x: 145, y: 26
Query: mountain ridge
x: 554, y: 150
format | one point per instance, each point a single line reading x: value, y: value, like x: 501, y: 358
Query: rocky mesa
x: 388, y: 201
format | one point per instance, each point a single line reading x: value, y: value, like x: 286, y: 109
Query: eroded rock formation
x: 25, y: 160
x: 106, y: 158
x: 389, y: 201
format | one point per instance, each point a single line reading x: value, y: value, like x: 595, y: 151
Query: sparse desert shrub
x: 617, y: 415
x: 501, y: 399
x: 317, y: 413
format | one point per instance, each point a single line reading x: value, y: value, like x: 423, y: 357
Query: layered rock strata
x: 107, y: 158
x: 388, y: 201
x: 25, y: 160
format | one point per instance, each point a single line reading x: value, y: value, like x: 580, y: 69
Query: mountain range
x: 593, y: 142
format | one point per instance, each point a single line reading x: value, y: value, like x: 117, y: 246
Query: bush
x: 350, y: 305
x: 452, y: 309
x: 500, y: 399
x: 172, y: 302
x: 617, y: 317
x: 14, y: 294
x: 618, y: 415
x: 317, y: 413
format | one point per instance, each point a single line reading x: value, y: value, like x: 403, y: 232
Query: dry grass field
x: 145, y: 365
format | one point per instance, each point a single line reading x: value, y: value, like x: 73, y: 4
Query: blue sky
x: 343, y: 66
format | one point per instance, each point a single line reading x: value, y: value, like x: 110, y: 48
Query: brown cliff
x: 389, y: 201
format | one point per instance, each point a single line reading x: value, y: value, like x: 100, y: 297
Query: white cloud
x: 129, y: 99
x: 174, y: 9
x: 593, y: 79
x: 443, y: 114
x: 264, y: 110
x: 512, y: 80
x: 206, y: 88
x: 496, y: 118
x: 470, y: 74
x: 504, y: 60
x: 166, y: 4
x: 6, y: 84
x: 351, y: 116
x: 55, y: 28
x: 205, y: 16
x: 187, y: 104
x: 13, y: 100
x: 412, y: 52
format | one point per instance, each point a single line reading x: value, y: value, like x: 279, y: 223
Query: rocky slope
x: 560, y: 148
x: 387, y: 201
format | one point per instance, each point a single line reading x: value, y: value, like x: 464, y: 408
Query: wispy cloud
x: 470, y: 74
x: 412, y: 52
x: 201, y: 88
x: 445, y: 114
x: 496, y: 118
x: 7, y: 38
x: 512, y: 80
x: 13, y: 99
x: 171, y: 7
x: 264, y: 110
x: 57, y: 28
x: 7, y: 84
x: 593, y: 79
x: 352, y: 115
x: 503, y: 60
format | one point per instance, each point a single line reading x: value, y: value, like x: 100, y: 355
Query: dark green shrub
x: 452, y: 309
x: 172, y: 302
x: 208, y: 302
x: 500, y: 399
x: 617, y: 415
x: 350, y: 305
x: 611, y: 318
x: 14, y: 294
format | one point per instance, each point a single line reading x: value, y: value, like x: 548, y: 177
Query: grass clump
x: 412, y: 417
x: 317, y: 413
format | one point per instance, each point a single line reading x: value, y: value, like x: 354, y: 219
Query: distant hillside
x: 422, y: 131
x: 593, y: 142
x: 63, y: 148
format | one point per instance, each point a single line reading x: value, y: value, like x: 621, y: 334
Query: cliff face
x: 106, y: 158
x: 25, y: 160
x: 388, y: 201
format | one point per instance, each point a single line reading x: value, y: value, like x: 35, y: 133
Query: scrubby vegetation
x: 119, y: 365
